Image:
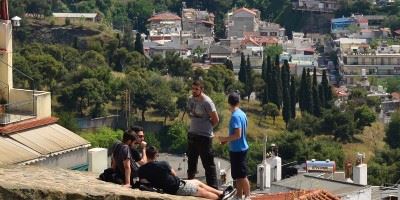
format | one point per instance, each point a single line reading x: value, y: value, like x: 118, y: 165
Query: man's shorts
x: 187, y: 188
x: 238, y: 164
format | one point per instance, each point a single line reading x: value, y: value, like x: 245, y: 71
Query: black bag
x: 109, y: 175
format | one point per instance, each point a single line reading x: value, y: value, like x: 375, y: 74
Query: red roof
x: 164, y: 16
x: 396, y: 95
x: 299, y: 195
x: 362, y: 20
x: 397, y: 31
x: 28, y: 124
x: 243, y: 9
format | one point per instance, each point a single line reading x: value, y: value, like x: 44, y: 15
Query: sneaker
x: 228, y: 193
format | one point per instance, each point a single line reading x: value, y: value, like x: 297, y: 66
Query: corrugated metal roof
x: 13, y: 152
x: 49, y: 140
x: 75, y: 15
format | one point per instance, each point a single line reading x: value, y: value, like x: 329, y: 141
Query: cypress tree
x: 139, y: 43
x: 327, y: 91
x: 242, y: 71
x: 269, y: 78
x: 286, y: 110
x: 302, y: 90
x: 293, y: 99
x: 249, y: 73
x: 278, y: 82
x: 308, y: 99
x: 264, y: 77
x: 315, y: 95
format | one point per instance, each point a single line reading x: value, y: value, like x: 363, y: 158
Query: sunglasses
x: 141, y: 136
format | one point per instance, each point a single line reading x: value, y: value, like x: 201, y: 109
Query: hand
x: 222, y: 140
x: 143, y: 144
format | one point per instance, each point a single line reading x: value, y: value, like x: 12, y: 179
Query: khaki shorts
x: 187, y: 188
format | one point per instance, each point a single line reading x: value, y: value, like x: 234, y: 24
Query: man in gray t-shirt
x: 203, y: 117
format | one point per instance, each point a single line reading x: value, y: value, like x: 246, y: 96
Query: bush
x: 103, y: 137
x: 176, y: 138
x: 68, y: 120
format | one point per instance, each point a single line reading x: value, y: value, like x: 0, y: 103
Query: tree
x: 271, y: 110
x: 139, y: 43
x: 315, y: 95
x: 249, y: 77
x: 93, y: 59
x: 308, y: 98
x: 286, y: 110
x: 293, y: 97
x: 242, y: 71
x: 326, y: 90
x: 364, y: 116
x: 229, y: 65
x: 393, y: 131
x: 264, y: 75
x: 302, y: 91
x: 273, y: 50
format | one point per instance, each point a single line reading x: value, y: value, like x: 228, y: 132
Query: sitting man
x: 122, y: 161
x: 161, y: 176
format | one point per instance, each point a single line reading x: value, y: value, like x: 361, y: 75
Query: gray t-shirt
x: 200, y: 122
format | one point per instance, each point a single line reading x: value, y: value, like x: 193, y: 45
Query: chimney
x: 276, y: 164
x: 264, y: 171
x: 347, y: 172
x: 360, y: 170
x: 97, y: 159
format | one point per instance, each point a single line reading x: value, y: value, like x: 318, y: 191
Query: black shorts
x: 238, y: 164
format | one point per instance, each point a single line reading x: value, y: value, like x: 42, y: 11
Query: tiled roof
x: 164, y: 16
x: 298, y: 195
x: 243, y: 9
x: 362, y: 20
x: 25, y: 125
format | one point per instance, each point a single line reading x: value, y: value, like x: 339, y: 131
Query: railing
x: 14, y: 112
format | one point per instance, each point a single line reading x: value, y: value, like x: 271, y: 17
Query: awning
x: 12, y: 152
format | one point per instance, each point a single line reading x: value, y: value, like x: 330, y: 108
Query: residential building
x: 28, y: 132
x: 297, y: 195
x: 339, y: 26
x: 218, y: 54
x: 271, y: 29
x: 323, y: 6
x: 164, y: 26
x: 242, y: 20
x: 197, y: 23
x: 76, y: 17
x: 363, y: 61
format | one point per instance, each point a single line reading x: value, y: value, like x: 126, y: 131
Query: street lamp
x: 16, y: 21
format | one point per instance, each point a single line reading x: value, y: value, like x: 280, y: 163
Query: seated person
x: 122, y: 161
x: 161, y: 176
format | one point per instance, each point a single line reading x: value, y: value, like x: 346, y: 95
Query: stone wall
x: 34, y: 183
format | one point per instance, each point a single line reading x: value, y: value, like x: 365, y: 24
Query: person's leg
x: 193, y: 157
x: 201, y: 192
x: 239, y: 173
x: 207, y: 158
x: 243, y: 187
x: 208, y: 188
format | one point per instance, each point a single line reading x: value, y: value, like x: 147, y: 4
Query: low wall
x: 34, y: 183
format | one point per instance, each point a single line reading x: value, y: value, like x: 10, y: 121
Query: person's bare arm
x: 173, y: 172
x: 113, y: 165
x: 127, y: 167
x: 144, y: 156
x: 214, y: 118
x: 237, y: 133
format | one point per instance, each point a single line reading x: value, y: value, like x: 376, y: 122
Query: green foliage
x: 383, y: 168
x: 393, y: 131
x: 153, y: 140
x: 307, y: 123
x: 103, y: 137
x: 178, y: 137
x: 67, y: 120
x: 364, y: 116
x: 286, y: 109
x: 271, y: 110
x: 293, y: 97
x: 139, y: 43
x: 273, y: 51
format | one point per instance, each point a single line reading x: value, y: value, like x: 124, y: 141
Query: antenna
x: 265, y: 148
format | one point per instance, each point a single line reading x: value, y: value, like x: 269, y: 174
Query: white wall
x: 66, y: 160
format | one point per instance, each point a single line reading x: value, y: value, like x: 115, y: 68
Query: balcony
x: 23, y: 105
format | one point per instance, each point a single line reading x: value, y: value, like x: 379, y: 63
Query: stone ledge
x: 34, y: 183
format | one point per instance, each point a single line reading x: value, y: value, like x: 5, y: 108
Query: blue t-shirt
x: 238, y: 120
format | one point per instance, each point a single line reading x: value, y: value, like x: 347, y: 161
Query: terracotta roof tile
x: 28, y: 124
x: 164, y: 16
x: 245, y: 10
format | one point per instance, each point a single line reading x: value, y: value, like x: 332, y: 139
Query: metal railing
x: 14, y: 112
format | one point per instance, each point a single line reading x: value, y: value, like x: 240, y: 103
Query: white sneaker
x: 236, y: 198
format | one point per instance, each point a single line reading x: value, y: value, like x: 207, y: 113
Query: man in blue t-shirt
x: 237, y: 146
